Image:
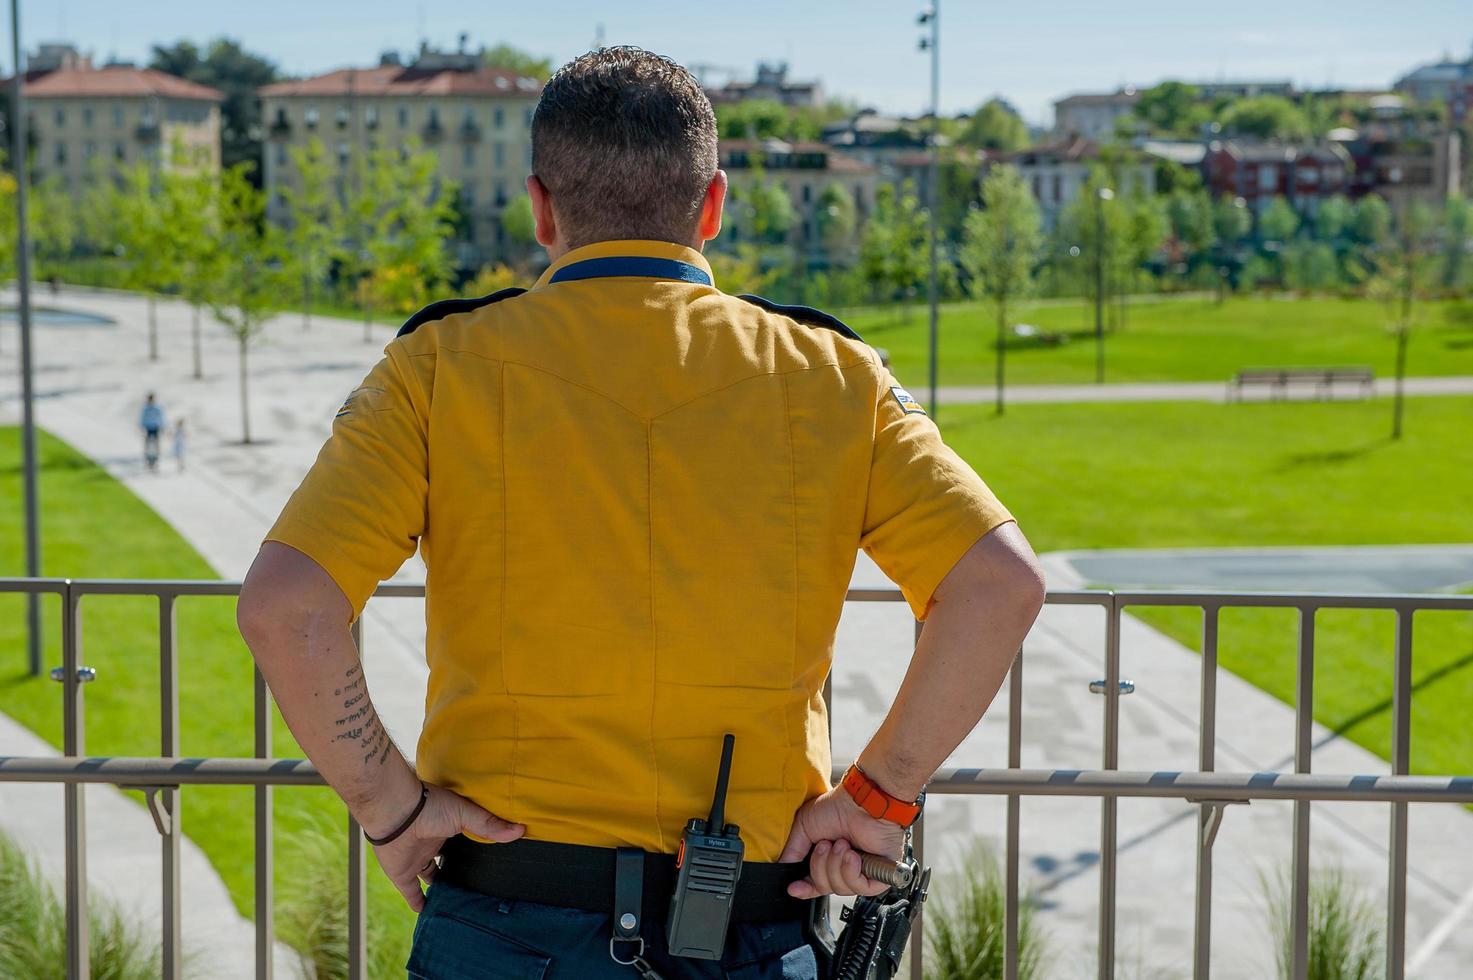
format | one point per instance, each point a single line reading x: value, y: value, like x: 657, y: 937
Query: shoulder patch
x: 804, y: 314
x: 908, y: 403
x: 449, y: 307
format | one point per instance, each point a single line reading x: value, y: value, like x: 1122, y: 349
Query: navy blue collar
x: 644, y: 266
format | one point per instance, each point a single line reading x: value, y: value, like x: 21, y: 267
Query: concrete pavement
x: 93, y: 379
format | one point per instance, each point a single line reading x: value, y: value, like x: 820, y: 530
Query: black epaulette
x: 806, y: 315
x: 449, y: 307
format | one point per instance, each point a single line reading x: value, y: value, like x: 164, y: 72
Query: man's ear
x: 711, y: 207
x: 542, y: 212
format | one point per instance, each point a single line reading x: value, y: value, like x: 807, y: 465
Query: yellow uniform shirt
x: 639, y: 500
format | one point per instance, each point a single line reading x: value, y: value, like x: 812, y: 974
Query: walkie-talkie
x: 708, y: 865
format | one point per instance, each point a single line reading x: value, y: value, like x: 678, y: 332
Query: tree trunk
x: 1002, y: 319
x: 153, y: 328
x: 199, y: 367
x: 1401, y: 370
x: 245, y: 405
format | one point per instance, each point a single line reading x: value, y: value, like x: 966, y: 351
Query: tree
x: 142, y: 229
x: 312, y: 204
x: 1457, y: 227
x: 1231, y: 221
x: 1266, y: 117
x: 1372, y: 223
x: 994, y: 126
x: 837, y: 217
x: 191, y: 215
x: 1172, y: 109
x: 517, y: 221
x: 1189, y: 216
x: 227, y: 66
x: 1279, y: 221
x: 1146, y: 226
x: 54, y: 226
x: 1310, y: 267
x: 1333, y: 219
x: 1402, y: 275
x: 250, y: 282
x: 515, y: 59
x: 892, y: 250
x: 1000, y: 249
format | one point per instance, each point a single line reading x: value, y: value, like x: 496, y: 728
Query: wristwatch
x: 878, y: 803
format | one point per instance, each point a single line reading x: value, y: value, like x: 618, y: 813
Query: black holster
x: 875, y: 933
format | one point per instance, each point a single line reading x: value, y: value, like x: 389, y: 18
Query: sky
x: 1028, y: 52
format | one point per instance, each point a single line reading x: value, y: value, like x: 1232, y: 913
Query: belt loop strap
x: 628, y: 893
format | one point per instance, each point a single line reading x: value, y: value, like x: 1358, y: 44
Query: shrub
x: 33, y: 929
x: 965, y: 927
x: 1345, y: 936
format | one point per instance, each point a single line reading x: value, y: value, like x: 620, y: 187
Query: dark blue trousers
x: 464, y: 935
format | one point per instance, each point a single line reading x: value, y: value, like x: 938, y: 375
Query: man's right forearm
x: 981, y: 613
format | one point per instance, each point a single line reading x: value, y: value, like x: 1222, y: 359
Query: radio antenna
x: 717, y: 820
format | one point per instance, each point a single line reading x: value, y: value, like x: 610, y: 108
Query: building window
x: 281, y: 154
x: 468, y: 194
x: 89, y: 150
x: 1268, y: 177
x: 499, y: 116
x: 468, y: 155
x: 345, y: 116
x: 120, y: 152
x: 1058, y: 188
x: 309, y: 117
x: 87, y: 116
x: 500, y: 193
x: 343, y: 151
x: 468, y: 117
x: 370, y: 116
x: 403, y: 116
x: 527, y: 118
x: 807, y: 193
x: 118, y: 116
x: 60, y: 154
x: 60, y: 116
x: 434, y: 117
x: 500, y: 154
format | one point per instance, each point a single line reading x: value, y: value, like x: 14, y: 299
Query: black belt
x: 577, y: 876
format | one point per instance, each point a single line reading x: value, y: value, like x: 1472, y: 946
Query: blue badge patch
x: 907, y: 401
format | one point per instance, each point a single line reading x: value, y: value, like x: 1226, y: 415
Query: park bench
x: 1280, y: 381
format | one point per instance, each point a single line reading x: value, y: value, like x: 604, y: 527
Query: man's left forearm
x: 298, y: 631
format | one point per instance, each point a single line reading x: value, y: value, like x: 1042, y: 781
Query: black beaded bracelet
x: 424, y: 795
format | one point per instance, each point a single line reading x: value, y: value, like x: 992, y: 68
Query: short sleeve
x: 926, y: 507
x: 361, y: 508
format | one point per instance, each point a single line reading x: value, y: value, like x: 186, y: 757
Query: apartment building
x: 771, y: 84
x: 1303, y: 174
x: 804, y: 170
x: 1056, y: 174
x: 85, y: 122
x: 475, y: 120
x: 1093, y: 115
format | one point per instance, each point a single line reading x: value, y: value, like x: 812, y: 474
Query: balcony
x: 147, y: 131
x: 1204, y: 796
x: 469, y: 132
x: 433, y: 132
x: 280, y: 128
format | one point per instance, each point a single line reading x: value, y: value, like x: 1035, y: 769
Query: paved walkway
x: 1178, y: 391
x: 92, y: 381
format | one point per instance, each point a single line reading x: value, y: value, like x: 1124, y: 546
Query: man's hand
x: 834, y: 828
x: 412, y: 856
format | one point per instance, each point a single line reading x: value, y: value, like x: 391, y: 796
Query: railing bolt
x: 85, y: 675
x: 1098, y: 687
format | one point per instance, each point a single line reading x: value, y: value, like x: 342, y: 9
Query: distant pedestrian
x: 181, y: 443
x: 152, y: 423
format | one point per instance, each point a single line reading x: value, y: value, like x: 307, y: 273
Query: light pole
x: 932, y: 16
x: 1101, y: 196
x: 23, y: 313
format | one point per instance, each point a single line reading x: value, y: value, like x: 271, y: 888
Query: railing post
x: 357, y: 883
x: 918, y: 929
x: 265, y: 858
x: 1206, y: 761
x: 75, y: 802
x: 1108, y: 808
x: 1011, y: 876
x: 1303, y: 746
x: 169, y: 797
x: 1401, y: 750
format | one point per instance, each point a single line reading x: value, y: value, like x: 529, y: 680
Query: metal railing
x: 160, y: 778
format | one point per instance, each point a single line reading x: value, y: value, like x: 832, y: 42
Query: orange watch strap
x: 876, y: 802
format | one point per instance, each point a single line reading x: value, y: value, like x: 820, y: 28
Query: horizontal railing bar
x: 33, y: 586
x: 126, y: 771
x: 1057, y: 597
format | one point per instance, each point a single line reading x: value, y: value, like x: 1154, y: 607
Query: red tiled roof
x: 118, y: 80
x: 397, y: 80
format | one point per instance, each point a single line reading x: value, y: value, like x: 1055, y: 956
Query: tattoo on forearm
x: 361, y: 725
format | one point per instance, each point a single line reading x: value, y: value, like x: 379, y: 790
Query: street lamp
x: 1101, y: 196
x: 932, y: 16
x: 23, y: 313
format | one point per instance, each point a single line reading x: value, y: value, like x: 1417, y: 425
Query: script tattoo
x: 361, y: 724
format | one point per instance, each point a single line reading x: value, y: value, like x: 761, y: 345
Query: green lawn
x: 1165, y: 474
x: 94, y: 527
x: 1168, y: 339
